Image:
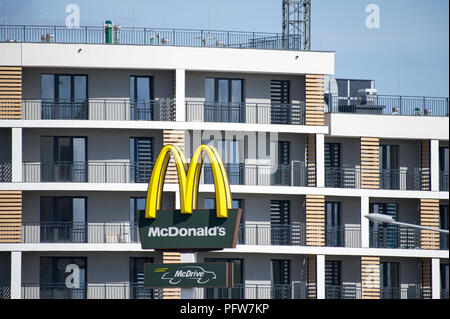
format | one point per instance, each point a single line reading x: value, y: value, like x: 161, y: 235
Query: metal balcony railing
x: 394, y: 236
x: 162, y: 109
x: 295, y: 235
x: 350, y: 291
x: 343, y: 177
x: 405, y: 179
x: 413, y: 291
x: 147, y: 36
x: 296, y: 290
x: 79, y: 232
x: 388, y: 105
x: 5, y: 292
x: 443, y: 181
x: 87, y: 172
x: 5, y: 172
x: 241, y: 112
x: 399, y: 179
x: 295, y: 174
x: 89, y: 291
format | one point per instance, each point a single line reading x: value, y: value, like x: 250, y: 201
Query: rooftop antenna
x: 296, y: 25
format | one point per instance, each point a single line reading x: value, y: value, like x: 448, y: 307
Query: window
x: 282, y: 175
x: 333, y: 174
x: 63, y: 219
x: 137, y: 290
x: 238, y: 291
x: 141, y: 98
x: 281, y: 278
x: 232, y: 154
x: 224, y: 100
x: 141, y: 158
x: 280, y: 227
x: 389, y: 174
x: 390, y: 280
x: 63, y: 277
x: 333, y: 289
x: 63, y: 159
x: 280, y: 100
x: 384, y: 235
x: 333, y: 224
x: 137, y: 207
x: 64, y: 96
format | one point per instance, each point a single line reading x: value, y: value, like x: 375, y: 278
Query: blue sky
x: 407, y: 55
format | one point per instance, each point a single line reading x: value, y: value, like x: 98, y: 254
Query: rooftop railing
x: 388, y: 105
x: 148, y: 36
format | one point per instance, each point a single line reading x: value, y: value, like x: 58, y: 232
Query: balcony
x: 405, y: 179
x: 236, y: 112
x: 394, y: 236
x: 89, y: 291
x: 148, y: 36
x: 99, y: 109
x: 87, y: 172
x: 79, y: 232
x: 296, y: 290
x: 295, y: 235
x: 395, y: 179
x: 388, y: 105
x: 295, y: 174
x: 345, y: 176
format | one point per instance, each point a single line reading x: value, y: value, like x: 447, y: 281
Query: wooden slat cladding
x: 314, y: 98
x: 10, y: 216
x: 10, y: 92
x: 426, y: 278
x: 311, y: 159
x: 171, y: 258
x: 370, y: 162
x: 425, y: 164
x: 175, y: 138
x: 315, y: 220
x: 429, y: 216
x: 370, y: 277
x: 311, y: 276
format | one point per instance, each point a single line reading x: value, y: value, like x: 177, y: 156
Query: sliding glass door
x: 224, y: 100
x: 63, y: 159
x: 64, y: 97
x: 141, y: 98
x: 63, y: 219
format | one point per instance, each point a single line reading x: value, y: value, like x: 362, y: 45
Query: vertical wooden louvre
x: 429, y: 216
x: 315, y: 220
x: 370, y: 277
x: 171, y: 258
x: 370, y: 162
x: 426, y: 278
x: 10, y: 92
x: 311, y: 276
x: 10, y: 216
x: 175, y: 138
x: 311, y: 159
x: 314, y: 95
x: 425, y: 164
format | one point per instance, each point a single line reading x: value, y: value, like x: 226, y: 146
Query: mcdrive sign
x: 189, y: 228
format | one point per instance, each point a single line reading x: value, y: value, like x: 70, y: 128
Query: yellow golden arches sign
x: 188, y: 179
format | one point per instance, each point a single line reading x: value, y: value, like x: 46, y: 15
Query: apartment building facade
x: 82, y: 122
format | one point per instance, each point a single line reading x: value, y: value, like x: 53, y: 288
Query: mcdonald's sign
x: 189, y: 228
